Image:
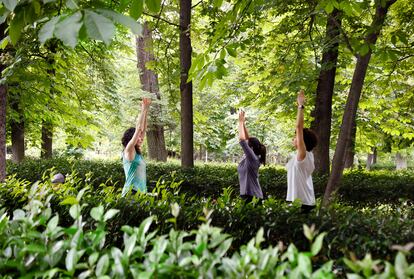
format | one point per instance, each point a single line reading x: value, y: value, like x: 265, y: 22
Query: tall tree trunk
x: 17, y: 133
x: 186, y: 88
x: 3, y: 106
x: 149, y: 83
x: 47, y: 125
x: 324, y: 92
x: 350, y: 150
x: 3, y: 100
x: 372, y: 158
x: 354, y: 95
x: 400, y: 161
x: 47, y: 140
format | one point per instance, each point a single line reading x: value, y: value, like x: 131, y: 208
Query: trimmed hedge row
x: 357, y: 186
x: 349, y: 229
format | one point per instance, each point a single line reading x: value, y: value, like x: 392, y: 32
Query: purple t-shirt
x: 248, y: 170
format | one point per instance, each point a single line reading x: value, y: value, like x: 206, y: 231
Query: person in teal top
x: 132, y: 160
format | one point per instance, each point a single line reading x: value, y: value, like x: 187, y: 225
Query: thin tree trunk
x: 47, y: 140
x: 371, y: 158
x: 3, y: 106
x: 47, y: 125
x: 3, y: 100
x: 186, y: 88
x: 17, y: 134
x: 400, y: 161
x: 350, y: 150
x: 354, y: 95
x: 149, y: 83
x: 324, y: 92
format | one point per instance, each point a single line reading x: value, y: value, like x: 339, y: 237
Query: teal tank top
x: 135, y: 174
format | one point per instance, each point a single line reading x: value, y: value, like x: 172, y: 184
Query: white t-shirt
x: 299, y: 177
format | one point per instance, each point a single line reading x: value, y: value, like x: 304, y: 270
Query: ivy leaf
x: 137, y: 6
x: 153, y: 5
x: 99, y: 27
x: 47, y: 31
x: 67, y: 30
x: 126, y: 21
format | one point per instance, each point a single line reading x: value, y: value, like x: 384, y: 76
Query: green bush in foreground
x: 358, y: 230
x: 209, y: 180
x: 33, y: 245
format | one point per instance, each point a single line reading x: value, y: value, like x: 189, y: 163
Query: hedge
x: 357, y: 186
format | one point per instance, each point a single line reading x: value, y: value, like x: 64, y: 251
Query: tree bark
x: 400, y: 161
x: 47, y: 125
x: 372, y: 158
x: 186, y: 88
x: 354, y: 95
x: 324, y: 92
x: 3, y: 106
x: 17, y: 134
x: 47, y: 140
x: 149, y: 83
x: 350, y: 150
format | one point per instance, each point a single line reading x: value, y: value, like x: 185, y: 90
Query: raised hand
x: 301, y: 97
x: 146, y: 103
x: 242, y: 116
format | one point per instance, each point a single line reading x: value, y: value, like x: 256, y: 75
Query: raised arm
x: 139, y: 134
x: 301, y: 147
x: 243, y: 135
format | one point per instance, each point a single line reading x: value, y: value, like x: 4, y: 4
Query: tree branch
x: 162, y: 19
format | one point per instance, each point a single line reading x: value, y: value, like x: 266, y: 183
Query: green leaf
x: 71, y: 259
x: 217, y: 3
x: 10, y: 4
x: 231, y: 51
x: 305, y: 265
x: 110, y: 214
x: 67, y: 30
x: 126, y: 21
x: 4, y: 14
x: 99, y: 27
x: 52, y: 224
x: 329, y: 7
x: 130, y: 245
x: 93, y: 258
x: 400, y: 265
x: 317, y: 245
x: 137, y: 6
x: 74, y: 211
x: 102, y: 265
x: 4, y: 43
x: 46, y: 32
x: 97, y: 213
x: 364, y: 49
x: 69, y: 200
x: 153, y: 5
x: 16, y: 26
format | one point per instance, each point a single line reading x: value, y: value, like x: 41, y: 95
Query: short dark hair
x: 310, y: 139
x: 126, y: 138
x: 258, y: 148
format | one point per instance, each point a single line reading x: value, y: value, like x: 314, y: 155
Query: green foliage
x: 84, y: 239
x: 357, y: 186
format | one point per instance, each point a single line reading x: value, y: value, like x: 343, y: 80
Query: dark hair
x: 310, y: 139
x: 258, y: 149
x: 126, y: 138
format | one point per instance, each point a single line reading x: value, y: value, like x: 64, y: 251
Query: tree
x: 3, y: 106
x: 322, y: 112
x: 149, y: 83
x: 344, y: 139
x: 186, y: 86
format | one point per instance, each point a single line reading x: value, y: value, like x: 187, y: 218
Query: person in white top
x: 300, y: 167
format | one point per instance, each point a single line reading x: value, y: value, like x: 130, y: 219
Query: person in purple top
x: 248, y: 169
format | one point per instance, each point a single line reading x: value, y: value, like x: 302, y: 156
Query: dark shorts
x: 307, y: 208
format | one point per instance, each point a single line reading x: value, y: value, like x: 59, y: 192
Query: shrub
x: 33, y: 244
x: 209, y: 180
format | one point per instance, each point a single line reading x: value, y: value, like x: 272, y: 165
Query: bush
x: 34, y: 244
x: 209, y: 180
x: 357, y: 229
